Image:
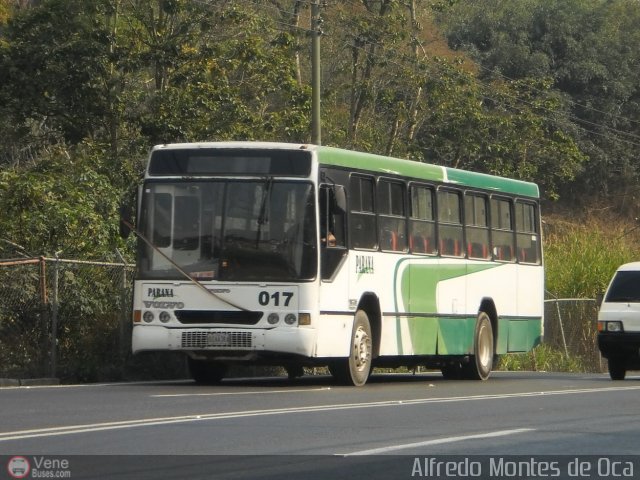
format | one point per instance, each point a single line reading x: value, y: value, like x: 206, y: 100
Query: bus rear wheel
x: 481, y: 363
x: 355, y: 370
x: 206, y: 372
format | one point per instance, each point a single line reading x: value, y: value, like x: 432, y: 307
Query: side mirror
x: 125, y: 221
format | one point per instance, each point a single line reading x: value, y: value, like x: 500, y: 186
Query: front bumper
x: 620, y: 345
x: 297, y: 341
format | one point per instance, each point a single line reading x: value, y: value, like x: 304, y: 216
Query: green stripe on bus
x: 454, y: 335
x: 418, y: 285
x: 381, y: 165
x: 451, y: 335
x: 489, y: 182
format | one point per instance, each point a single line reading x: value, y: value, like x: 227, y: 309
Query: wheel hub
x: 361, y: 349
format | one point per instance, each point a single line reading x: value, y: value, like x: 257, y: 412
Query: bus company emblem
x: 166, y: 305
x: 364, y: 264
x: 160, y: 293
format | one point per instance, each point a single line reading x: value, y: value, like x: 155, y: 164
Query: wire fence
x: 70, y: 319
x: 65, y: 318
x: 571, y: 326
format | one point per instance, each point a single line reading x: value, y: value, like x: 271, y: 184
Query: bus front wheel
x: 355, y: 370
x: 206, y: 372
x: 481, y: 363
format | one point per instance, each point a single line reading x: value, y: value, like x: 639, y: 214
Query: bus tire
x: 617, y: 368
x: 481, y: 362
x: 355, y: 370
x: 206, y: 372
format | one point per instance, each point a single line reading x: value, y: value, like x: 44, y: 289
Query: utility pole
x: 316, y: 31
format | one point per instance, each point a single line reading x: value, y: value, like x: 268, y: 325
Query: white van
x: 619, y: 321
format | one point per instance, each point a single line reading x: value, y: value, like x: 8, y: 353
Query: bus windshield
x: 250, y: 230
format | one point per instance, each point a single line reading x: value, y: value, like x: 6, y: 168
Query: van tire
x: 617, y: 368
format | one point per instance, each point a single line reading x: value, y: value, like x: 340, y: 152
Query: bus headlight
x: 148, y: 316
x: 165, y: 317
x: 273, y: 318
x: 290, y: 319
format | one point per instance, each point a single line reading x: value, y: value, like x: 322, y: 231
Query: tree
x: 584, y: 48
x: 60, y: 204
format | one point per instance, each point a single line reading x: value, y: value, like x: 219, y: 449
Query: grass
x: 581, y: 255
x: 543, y: 358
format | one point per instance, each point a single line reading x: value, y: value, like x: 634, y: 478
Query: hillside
x: 531, y: 90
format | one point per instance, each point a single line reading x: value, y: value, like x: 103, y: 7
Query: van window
x: 625, y: 287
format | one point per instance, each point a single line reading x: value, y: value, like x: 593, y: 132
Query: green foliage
x: 580, y: 258
x: 55, y: 66
x: 500, y: 134
x: 543, y: 358
x: 583, y: 47
x: 59, y: 204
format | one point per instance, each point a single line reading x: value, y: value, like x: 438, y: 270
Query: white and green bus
x: 304, y: 255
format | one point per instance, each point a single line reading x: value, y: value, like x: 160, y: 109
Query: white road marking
x: 253, y: 392
x: 95, y: 427
x: 438, y: 441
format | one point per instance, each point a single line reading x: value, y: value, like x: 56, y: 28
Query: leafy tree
x: 53, y: 64
x: 584, y: 48
x: 60, y: 204
x: 219, y: 71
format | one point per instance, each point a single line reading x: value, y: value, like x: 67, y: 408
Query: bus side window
x: 527, y: 237
x: 391, y: 216
x: 502, y: 230
x: 422, y: 231
x: 450, y: 223
x: 332, y: 216
x: 362, y: 220
x: 477, y: 226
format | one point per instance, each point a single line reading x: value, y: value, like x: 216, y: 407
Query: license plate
x: 218, y: 339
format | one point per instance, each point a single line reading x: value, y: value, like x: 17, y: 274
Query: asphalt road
x: 310, y: 428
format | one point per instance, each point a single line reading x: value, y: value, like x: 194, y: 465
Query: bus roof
x: 424, y: 171
x: 386, y: 165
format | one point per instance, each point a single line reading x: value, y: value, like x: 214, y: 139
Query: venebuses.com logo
x: 19, y: 466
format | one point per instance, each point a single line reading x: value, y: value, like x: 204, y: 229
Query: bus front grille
x: 213, y: 316
x: 217, y: 339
